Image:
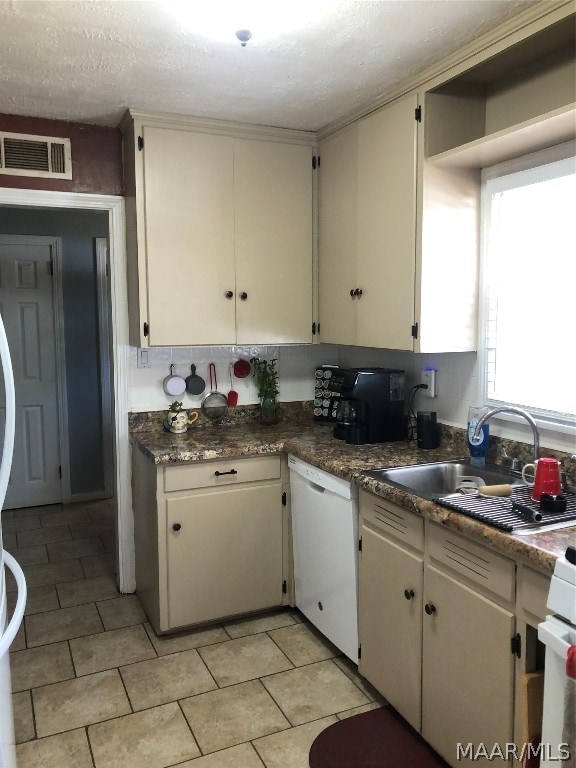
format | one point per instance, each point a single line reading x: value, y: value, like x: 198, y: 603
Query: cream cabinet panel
x: 189, y: 213
x: 337, y: 237
x: 273, y: 242
x: 224, y: 553
x: 390, y: 617
x: 467, y: 669
x: 387, y: 225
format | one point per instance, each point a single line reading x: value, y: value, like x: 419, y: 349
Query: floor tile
x: 244, y: 659
x: 12, y: 524
x: 351, y: 670
x: 242, y: 756
x: 19, y: 642
x: 67, y: 550
x: 253, y: 625
x: 71, y: 514
x: 63, y: 624
x: 121, y: 612
x: 303, y: 644
x: 165, y: 679
x: 185, y: 641
x: 66, y: 750
x: 40, y: 666
x: 31, y: 555
x: 99, y: 565
x: 41, y: 599
x: 76, y: 703
x: 290, y: 749
x: 43, y: 536
x: 108, y: 542
x: 232, y: 716
x: 88, y: 528
x: 23, y: 717
x: 83, y: 590
x: 155, y: 738
x: 359, y: 710
x: 110, y: 649
x: 9, y: 541
x: 36, y: 511
x: 52, y: 573
x: 308, y: 693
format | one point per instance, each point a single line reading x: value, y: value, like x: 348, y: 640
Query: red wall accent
x: 96, y: 156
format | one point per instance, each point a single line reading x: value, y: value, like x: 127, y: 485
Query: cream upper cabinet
x: 219, y: 234
x: 273, y: 242
x: 189, y: 235
x: 367, y: 229
x: 337, y: 211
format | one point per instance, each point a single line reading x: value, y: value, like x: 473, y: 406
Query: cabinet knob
x: 358, y: 292
x: 408, y: 594
x: 176, y: 527
x: 430, y: 608
x: 243, y: 295
x: 230, y: 472
x: 229, y: 294
x: 352, y: 292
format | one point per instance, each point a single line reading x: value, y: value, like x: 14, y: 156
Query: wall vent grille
x: 41, y: 156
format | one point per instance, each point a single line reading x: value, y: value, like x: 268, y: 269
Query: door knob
x: 430, y: 608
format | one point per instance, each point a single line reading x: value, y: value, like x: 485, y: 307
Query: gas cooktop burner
x: 499, y: 512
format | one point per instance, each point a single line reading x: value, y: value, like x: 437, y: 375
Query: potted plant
x: 265, y: 375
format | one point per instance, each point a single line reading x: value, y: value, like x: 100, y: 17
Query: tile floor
x: 94, y: 687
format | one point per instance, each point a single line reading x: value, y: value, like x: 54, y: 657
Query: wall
x: 77, y: 230
x: 458, y: 382
x: 96, y: 156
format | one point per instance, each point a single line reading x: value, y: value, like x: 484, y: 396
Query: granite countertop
x: 313, y: 442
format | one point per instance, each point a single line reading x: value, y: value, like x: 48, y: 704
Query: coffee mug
x: 546, y: 477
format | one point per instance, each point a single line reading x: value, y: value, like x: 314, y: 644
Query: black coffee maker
x: 371, y: 409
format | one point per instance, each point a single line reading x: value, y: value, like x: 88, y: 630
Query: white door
x: 27, y: 307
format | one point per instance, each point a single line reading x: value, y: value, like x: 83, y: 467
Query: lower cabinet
x: 212, y: 539
x: 436, y: 623
x: 224, y: 553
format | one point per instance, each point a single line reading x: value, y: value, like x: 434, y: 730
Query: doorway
x: 113, y: 207
x: 65, y: 432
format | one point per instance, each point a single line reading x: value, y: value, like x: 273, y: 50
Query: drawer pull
x: 408, y: 594
x: 176, y: 527
x: 230, y: 472
x: 430, y: 608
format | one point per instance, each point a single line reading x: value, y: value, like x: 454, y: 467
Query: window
x: 528, y: 308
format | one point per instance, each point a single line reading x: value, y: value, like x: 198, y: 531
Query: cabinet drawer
x: 210, y: 474
x: 488, y: 569
x: 389, y: 518
x: 534, y: 589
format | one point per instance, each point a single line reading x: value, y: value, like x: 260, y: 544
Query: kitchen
x: 457, y: 375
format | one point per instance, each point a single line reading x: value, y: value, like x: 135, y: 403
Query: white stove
x: 558, y: 633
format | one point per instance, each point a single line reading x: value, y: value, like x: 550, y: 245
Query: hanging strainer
x: 215, y: 405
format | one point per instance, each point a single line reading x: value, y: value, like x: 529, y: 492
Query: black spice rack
x: 498, y: 512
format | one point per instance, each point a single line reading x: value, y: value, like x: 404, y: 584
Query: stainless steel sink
x: 433, y: 480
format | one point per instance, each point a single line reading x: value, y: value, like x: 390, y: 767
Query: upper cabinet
x: 219, y: 233
x: 399, y: 202
x: 367, y: 230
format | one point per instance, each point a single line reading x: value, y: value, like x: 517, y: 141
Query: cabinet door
x: 468, y: 669
x: 387, y: 225
x: 337, y: 237
x: 188, y: 189
x: 273, y: 241
x: 226, y: 556
x: 390, y: 622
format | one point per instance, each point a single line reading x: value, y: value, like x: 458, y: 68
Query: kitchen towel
x: 569, y: 729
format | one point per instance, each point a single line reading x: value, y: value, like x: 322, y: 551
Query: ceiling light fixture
x: 228, y: 20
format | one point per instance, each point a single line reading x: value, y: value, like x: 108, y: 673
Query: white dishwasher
x: 325, y: 544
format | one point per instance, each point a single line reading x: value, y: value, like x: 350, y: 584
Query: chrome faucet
x: 509, y: 409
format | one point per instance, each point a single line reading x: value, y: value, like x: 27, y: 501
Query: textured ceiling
x: 88, y: 61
